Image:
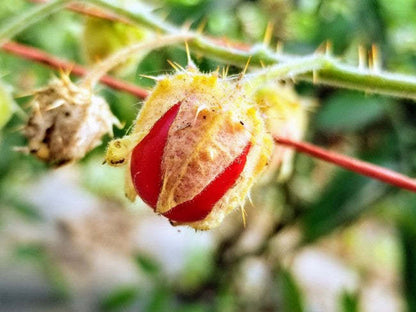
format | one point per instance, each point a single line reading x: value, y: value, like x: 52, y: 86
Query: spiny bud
x: 285, y: 115
x: 198, y: 145
x: 66, y: 122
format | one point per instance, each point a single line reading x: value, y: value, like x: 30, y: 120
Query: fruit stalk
x: 364, y: 168
x: 42, y: 57
x: 120, y: 56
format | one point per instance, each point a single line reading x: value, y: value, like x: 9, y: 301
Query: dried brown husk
x: 66, y: 122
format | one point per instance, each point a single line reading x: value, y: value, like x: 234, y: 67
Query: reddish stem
x: 96, y: 12
x: 56, y: 63
x: 90, y: 11
x: 349, y: 163
x: 359, y: 166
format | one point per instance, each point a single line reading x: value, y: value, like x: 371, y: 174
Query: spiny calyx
x: 197, y: 147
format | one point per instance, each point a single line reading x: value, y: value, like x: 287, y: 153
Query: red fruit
x: 146, y: 158
x: 201, y: 205
x: 146, y: 164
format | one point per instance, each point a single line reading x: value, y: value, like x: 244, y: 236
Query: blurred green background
x: 325, y: 240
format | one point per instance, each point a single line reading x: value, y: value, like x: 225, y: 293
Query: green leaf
x: 119, y: 299
x: 291, y: 295
x: 349, y: 302
x: 349, y: 111
x: 197, y: 269
x: 225, y: 301
x: 408, y: 241
x: 160, y: 301
x: 402, y: 209
x: 32, y: 252
x: 38, y: 255
x: 194, y: 307
x: 147, y: 264
x: 348, y: 195
x: 24, y: 208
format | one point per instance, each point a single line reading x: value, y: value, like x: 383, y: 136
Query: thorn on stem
x: 375, y: 56
x: 245, y: 68
x: 362, y: 59
x: 174, y: 65
x: 202, y: 25
x: 321, y: 49
x: 279, y: 47
x: 191, y: 63
x: 268, y: 34
x: 328, y: 47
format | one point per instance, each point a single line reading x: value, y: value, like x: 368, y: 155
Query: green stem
x: 120, y: 56
x: 336, y: 74
x: 289, y: 69
x: 28, y: 18
x: 330, y: 72
x: 258, y: 54
x: 140, y: 16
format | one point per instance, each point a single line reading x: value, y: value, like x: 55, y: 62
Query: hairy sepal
x: 215, y: 124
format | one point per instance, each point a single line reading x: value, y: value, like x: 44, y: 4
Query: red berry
x: 147, y: 156
x: 195, y: 162
x: 146, y: 164
x: 201, y: 205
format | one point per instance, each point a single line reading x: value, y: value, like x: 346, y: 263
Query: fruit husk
x: 215, y: 122
x: 66, y: 122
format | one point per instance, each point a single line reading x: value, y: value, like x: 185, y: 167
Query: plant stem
x: 59, y: 64
x: 28, y: 18
x: 94, y: 12
x: 259, y: 54
x: 332, y: 72
x: 290, y: 69
x: 352, y: 164
x: 349, y: 163
x: 336, y: 74
x: 120, y: 56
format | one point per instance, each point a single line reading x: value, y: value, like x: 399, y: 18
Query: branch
x: 332, y: 72
x: 349, y: 163
x: 101, y: 68
x: 94, y: 12
x: 39, y: 56
x: 352, y: 164
x: 28, y: 18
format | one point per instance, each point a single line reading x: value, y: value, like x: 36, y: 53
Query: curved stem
x: 115, y: 59
x: 39, y: 56
x: 28, y: 18
x: 336, y: 74
x: 259, y: 54
x: 349, y: 163
x: 94, y: 12
x: 332, y: 72
x: 290, y: 69
x: 358, y: 166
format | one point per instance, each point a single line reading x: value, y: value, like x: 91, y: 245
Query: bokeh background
x: 325, y: 240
